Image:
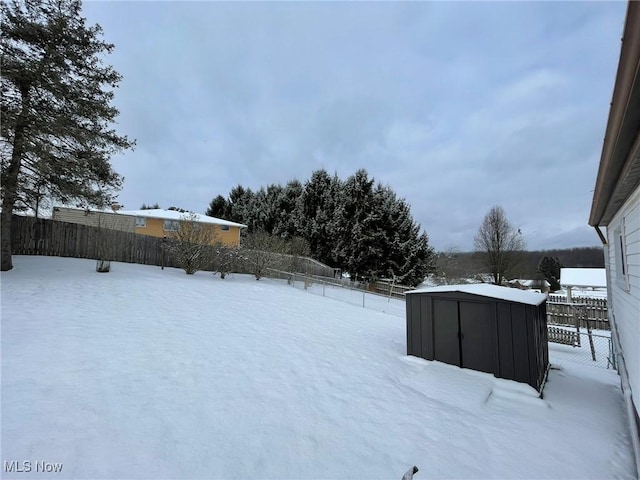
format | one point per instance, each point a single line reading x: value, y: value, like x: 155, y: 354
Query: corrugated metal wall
x: 507, y: 339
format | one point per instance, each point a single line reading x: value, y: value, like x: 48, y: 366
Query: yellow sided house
x: 165, y: 223
x: 156, y: 222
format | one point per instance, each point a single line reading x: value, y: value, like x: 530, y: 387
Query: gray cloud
x: 456, y: 106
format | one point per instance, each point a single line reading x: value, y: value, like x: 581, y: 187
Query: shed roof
x: 176, y: 215
x: 583, y: 277
x: 530, y: 283
x: 492, y: 291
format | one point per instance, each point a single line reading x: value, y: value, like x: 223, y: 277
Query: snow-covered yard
x: 144, y: 373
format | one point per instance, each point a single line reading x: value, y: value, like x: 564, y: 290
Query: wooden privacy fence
x: 39, y: 236
x: 578, y: 312
x: 565, y: 337
x: 389, y: 289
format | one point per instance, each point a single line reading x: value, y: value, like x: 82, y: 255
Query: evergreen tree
x: 318, y: 214
x: 357, y: 241
x: 550, y: 268
x: 56, y: 109
x: 288, y: 211
x: 264, y: 212
x: 365, y: 231
x: 419, y: 261
x: 219, y: 208
x: 386, y: 243
x: 407, y: 256
x: 240, y: 203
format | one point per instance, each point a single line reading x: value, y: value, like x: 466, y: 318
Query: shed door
x: 446, y: 341
x: 477, y: 336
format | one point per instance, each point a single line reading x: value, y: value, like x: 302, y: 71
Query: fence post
x: 391, y: 289
x: 612, y: 356
x: 574, y: 310
x: 163, y: 247
x: 585, y: 314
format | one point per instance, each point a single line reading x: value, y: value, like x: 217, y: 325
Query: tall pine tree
x: 56, y: 109
x: 318, y: 214
x: 288, y: 211
x: 240, y: 204
x: 356, y: 237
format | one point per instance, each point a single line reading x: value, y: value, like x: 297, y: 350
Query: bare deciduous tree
x: 225, y: 259
x: 500, y: 243
x: 454, y: 266
x: 297, y: 248
x: 261, y: 251
x: 193, y: 244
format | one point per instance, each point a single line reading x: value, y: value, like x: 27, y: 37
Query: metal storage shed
x: 483, y: 327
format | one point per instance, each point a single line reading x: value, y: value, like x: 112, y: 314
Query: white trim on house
x: 619, y: 238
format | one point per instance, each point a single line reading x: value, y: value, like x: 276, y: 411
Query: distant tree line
x: 355, y: 224
x: 151, y: 206
x: 581, y: 257
x: 453, y: 265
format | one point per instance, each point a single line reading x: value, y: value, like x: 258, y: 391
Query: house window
x: 141, y: 222
x: 224, y: 228
x: 620, y: 252
x: 171, y: 225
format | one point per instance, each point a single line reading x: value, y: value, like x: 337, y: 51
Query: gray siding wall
x: 113, y: 221
x: 625, y: 299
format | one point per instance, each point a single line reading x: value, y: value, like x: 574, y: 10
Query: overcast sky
x: 457, y: 106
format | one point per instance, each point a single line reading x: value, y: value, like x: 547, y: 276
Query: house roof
x: 619, y: 170
x: 176, y: 215
x: 487, y: 290
x: 583, y: 277
x: 531, y: 283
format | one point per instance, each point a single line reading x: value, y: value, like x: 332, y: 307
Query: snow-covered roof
x: 487, y: 290
x: 84, y: 209
x: 176, y: 215
x: 583, y: 277
x: 531, y: 283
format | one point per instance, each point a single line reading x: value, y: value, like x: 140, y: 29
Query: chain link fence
x: 566, y: 342
x: 579, y: 331
x: 589, y: 348
x: 344, y: 290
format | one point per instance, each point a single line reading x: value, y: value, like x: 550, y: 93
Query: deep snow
x: 145, y: 373
x: 487, y: 290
